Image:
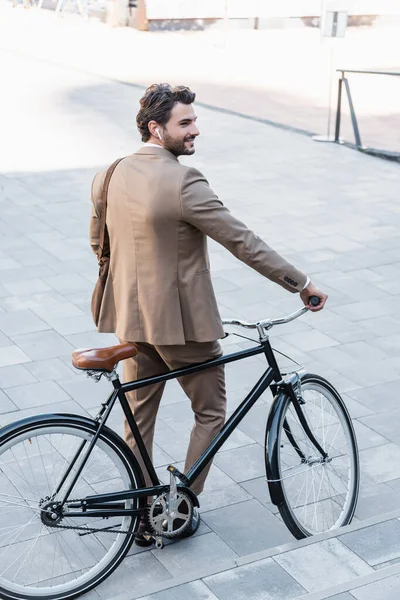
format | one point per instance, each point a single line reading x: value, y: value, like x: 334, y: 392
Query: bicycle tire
x: 40, y: 445
x: 309, y: 516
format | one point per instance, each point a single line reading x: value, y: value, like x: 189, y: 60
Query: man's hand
x: 312, y: 290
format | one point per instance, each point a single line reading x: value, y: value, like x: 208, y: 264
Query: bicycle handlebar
x: 269, y: 323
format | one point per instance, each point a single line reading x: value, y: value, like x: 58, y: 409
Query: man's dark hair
x: 157, y: 103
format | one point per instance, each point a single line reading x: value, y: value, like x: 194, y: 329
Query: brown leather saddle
x: 102, y: 359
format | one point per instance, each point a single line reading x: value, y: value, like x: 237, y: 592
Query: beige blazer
x: 159, y: 215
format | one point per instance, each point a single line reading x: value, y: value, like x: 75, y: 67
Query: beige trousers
x: 206, y: 391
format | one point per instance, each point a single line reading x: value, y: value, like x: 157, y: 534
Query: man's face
x: 181, y: 130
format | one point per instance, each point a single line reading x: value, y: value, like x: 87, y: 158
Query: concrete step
x: 363, y: 557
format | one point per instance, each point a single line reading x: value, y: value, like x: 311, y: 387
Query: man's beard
x: 176, y: 146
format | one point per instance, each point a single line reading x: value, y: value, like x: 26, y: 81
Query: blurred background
x: 276, y: 61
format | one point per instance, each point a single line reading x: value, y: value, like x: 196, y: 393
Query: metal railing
x: 343, y: 80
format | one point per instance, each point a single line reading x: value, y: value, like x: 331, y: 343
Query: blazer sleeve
x: 94, y: 225
x: 202, y: 208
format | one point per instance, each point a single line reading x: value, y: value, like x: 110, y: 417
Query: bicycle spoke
x: 313, y: 486
x: 35, y: 553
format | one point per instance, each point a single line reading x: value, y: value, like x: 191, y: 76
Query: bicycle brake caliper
x: 298, y: 389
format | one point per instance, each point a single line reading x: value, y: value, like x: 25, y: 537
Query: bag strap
x: 104, y: 242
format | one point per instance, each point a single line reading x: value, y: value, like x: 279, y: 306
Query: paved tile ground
x: 330, y: 210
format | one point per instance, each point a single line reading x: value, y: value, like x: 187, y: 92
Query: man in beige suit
x: 159, y: 292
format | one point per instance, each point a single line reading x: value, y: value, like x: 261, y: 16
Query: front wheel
x: 318, y: 493
x: 60, y: 559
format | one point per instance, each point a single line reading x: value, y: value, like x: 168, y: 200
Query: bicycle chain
x: 85, y: 528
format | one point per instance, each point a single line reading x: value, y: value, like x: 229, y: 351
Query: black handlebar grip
x: 314, y: 300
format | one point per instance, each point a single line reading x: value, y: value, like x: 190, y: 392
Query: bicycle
x: 63, y: 475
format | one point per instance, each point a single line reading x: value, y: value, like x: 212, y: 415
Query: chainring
x: 171, y: 517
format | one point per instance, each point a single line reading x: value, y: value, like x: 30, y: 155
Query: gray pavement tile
x: 367, y: 437
x: 178, y: 417
x: 375, y: 544
x: 6, y: 405
x: 196, y: 590
x: 12, y: 355
x: 236, y: 378
x: 237, y: 439
x: 173, y: 444
x: 258, y: 488
x: 243, y: 463
x: 59, y: 310
x: 69, y: 406
x: 382, y: 326
x: 21, y: 321
x: 4, y: 340
x: 81, y: 301
x: 336, y: 358
x: 310, y: 340
x: 69, y: 283
x: 31, y: 302
x: 137, y: 570
x: 338, y: 380
x: 369, y: 373
x: 262, y: 580
x: 344, y: 596
x: 353, y: 334
x: 255, y: 422
x: 378, y: 398
x: 229, y: 494
x: 377, y: 499
x: 92, y: 339
x: 72, y: 325
x: 173, y: 393
x: 222, y: 285
x: 363, y: 351
x: 15, y: 375
x: 368, y: 309
x: 386, y: 423
x: 323, y: 564
x: 37, y: 394
x: 385, y: 589
x: 85, y: 391
x: 92, y: 595
x: 44, y: 344
x: 247, y: 527
x: 33, y: 257
x: 394, y: 484
x: 199, y: 552
x: 390, y: 344
x: 235, y: 397
x: 381, y: 463
x: 51, y: 368
x: 23, y: 274
x: 356, y: 409
x: 160, y: 458
x: 7, y: 264
x: 26, y: 287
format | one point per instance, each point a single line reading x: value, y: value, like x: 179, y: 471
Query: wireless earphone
x: 158, y: 133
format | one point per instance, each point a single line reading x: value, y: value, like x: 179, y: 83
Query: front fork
x: 292, y: 389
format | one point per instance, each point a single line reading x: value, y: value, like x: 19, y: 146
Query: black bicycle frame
x: 272, y: 374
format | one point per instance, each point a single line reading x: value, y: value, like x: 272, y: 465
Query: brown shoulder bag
x: 103, y: 253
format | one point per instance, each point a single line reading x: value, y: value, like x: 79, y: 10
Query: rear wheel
x: 43, y: 555
x: 318, y: 494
